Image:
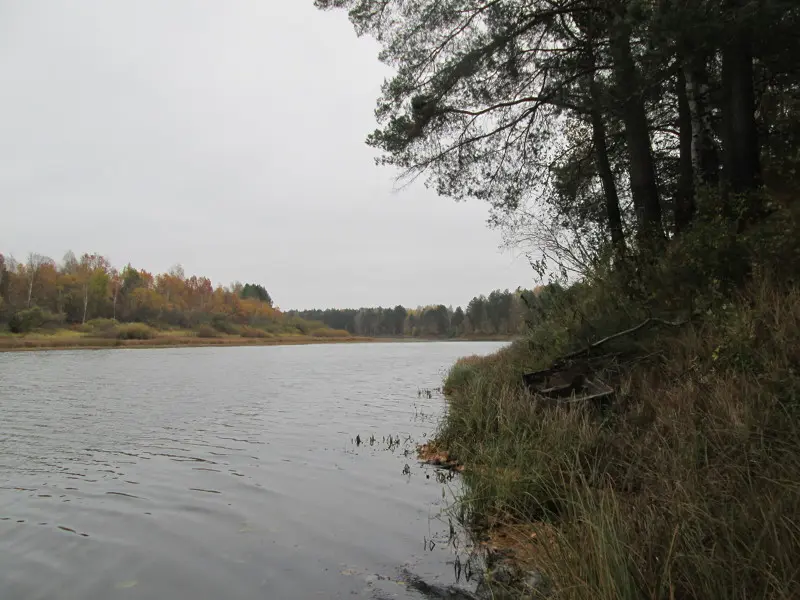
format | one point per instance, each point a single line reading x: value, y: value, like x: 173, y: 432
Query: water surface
x: 222, y: 472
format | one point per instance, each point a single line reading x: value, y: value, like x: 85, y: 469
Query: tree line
x: 594, y: 128
x: 41, y: 292
x: 501, y: 313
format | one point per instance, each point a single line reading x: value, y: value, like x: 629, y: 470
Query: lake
x: 224, y: 473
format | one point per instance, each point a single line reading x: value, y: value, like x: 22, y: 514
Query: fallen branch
x: 575, y: 385
x: 619, y: 334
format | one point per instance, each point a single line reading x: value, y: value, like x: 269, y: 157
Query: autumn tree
x: 32, y: 268
x: 78, y: 290
x: 93, y: 279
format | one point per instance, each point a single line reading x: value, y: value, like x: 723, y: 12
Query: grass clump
x: 462, y: 372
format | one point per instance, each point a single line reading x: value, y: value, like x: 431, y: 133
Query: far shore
x: 43, y: 342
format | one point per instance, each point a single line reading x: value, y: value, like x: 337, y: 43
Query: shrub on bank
x: 206, y: 331
x: 330, y: 333
x: 31, y: 319
x: 224, y: 325
x: 100, y: 325
x: 252, y: 332
x: 134, y: 331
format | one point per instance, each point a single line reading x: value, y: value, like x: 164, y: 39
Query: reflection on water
x: 273, y: 472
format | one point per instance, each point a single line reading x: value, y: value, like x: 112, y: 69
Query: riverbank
x: 74, y: 342
x: 684, y: 486
x: 70, y: 340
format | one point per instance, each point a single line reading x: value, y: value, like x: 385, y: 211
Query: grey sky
x: 227, y: 137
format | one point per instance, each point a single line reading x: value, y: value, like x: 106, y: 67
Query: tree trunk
x: 30, y: 290
x: 644, y: 188
x: 85, y: 302
x: 600, y: 142
x: 705, y: 156
x: 684, y: 201
x: 742, y: 161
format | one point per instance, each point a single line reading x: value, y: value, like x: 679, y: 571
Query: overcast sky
x: 227, y: 137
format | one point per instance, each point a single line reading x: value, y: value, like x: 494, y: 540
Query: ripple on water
x: 220, y: 472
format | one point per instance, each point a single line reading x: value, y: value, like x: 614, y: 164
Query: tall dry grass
x: 688, y: 487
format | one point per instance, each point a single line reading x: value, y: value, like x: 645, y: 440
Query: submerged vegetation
x: 646, y: 154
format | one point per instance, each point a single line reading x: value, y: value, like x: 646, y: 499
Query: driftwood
x: 571, y: 380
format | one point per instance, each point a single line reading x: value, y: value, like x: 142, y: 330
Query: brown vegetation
x: 431, y: 454
x: 684, y: 488
x: 55, y: 342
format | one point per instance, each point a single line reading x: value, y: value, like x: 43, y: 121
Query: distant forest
x: 40, y: 294
x: 501, y: 313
